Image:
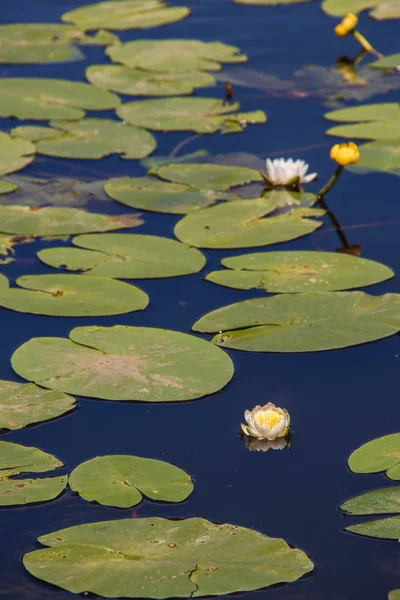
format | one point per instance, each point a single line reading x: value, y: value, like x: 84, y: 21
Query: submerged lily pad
x: 141, y: 83
x: 90, y: 139
x: 125, y: 14
x: 16, y: 459
x: 67, y: 295
x: 294, y: 271
x: 195, y: 557
x: 382, y: 155
x: 126, y: 256
x: 303, y: 322
x: 382, y: 9
x: 381, y: 454
x: 240, y: 224
x: 383, y: 501
x: 212, y: 177
x: 172, y: 55
x: 121, y: 480
x: 125, y: 363
x: 27, y: 220
x: 15, y: 154
x: 378, y: 121
x: 44, y: 99
x: 160, y: 196
x: 202, y: 115
x: 23, y: 404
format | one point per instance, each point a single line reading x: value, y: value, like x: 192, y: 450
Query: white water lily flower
x: 267, y: 422
x: 257, y: 445
x: 287, y: 172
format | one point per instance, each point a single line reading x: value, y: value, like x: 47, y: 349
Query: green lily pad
x: 382, y: 9
x: 387, y: 62
x: 15, y: 154
x: 377, y: 502
x: 381, y: 528
x: 294, y: 271
x: 141, y: 83
x: 23, y: 404
x: 240, y: 224
x: 6, y: 187
x: 202, y: 115
x: 125, y: 14
x: 90, y: 139
x: 126, y: 256
x: 67, y: 295
x: 27, y: 220
x: 121, y: 480
x: 44, y: 99
x: 160, y: 196
x: 125, y: 363
x: 378, y: 121
x: 212, y: 177
x: 269, y: 2
x: 381, y: 454
x: 394, y: 595
x: 16, y: 459
x: 7, y: 244
x: 195, y: 557
x: 303, y: 322
x: 382, y: 156
x: 185, y: 56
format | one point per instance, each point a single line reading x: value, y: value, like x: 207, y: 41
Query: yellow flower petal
x: 345, y: 154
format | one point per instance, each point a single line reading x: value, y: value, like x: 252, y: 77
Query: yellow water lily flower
x: 268, y: 422
x: 347, y: 25
x: 345, y: 154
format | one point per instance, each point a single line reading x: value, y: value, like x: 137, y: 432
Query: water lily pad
x: 195, y: 557
x: 383, y: 501
x: 303, y: 322
x: 121, y: 480
x: 125, y: 363
x: 6, y: 187
x: 141, y: 83
x: 382, y: 9
x: 16, y: 459
x: 381, y: 454
x: 44, y: 99
x: 67, y: 295
x: 378, y: 156
x: 23, y: 404
x: 125, y: 14
x: 394, y: 595
x: 26, y: 220
x: 212, y: 177
x: 382, y: 528
x: 387, y: 62
x: 91, y: 139
x: 294, y: 271
x: 15, y: 154
x: 126, y: 256
x: 173, y: 55
x: 202, y: 115
x: 378, y: 121
x: 240, y: 224
x: 160, y: 196
x: 269, y: 2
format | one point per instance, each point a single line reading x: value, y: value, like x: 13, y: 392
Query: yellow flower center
x: 270, y: 418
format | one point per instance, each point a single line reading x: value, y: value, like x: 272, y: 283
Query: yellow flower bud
x: 347, y: 25
x: 345, y: 154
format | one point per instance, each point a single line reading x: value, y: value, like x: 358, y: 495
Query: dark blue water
x: 337, y: 400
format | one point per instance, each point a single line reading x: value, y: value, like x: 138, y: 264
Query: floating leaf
x: 382, y: 9
x: 202, y: 115
x: 378, y: 121
x: 6, y: 187
x: 172, y: 55
x: 379, y: 156
x: 125, y: 363
x: 126, y: 256
x: 91, y: 138
x: 16, y: 459
x: 298, y: 271
x: 15, y: 154
x: 26, y: 220
x: 269, y: 2
x: 387, y: 62
x: 195, y: 558
x: 141, y: 83
x: 125, y: 14
x: 377, y: 502
x: 378, y: 455
x: 23, y: 404
x: 212, y: 177
x: 121, y: 480
x: 240, y: 224
x: 160, y: 196
x: 43, y: 99
x: 7, y: 244
x: 303, y: 322
x: 66, y: 295
x: 394, y: 595
x: 381, y: 528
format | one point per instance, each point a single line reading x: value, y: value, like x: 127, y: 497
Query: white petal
x: 309, y: 177
x: 270, y: 169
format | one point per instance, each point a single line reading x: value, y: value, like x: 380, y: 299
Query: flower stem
x: 365, y: 43
x: 322, y: 193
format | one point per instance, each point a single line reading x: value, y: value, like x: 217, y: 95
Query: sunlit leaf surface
x: 15, y: 154
x: 381, y: 454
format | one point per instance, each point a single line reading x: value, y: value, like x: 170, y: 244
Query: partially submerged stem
x: 365, y: 43
x: 322, y: 193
